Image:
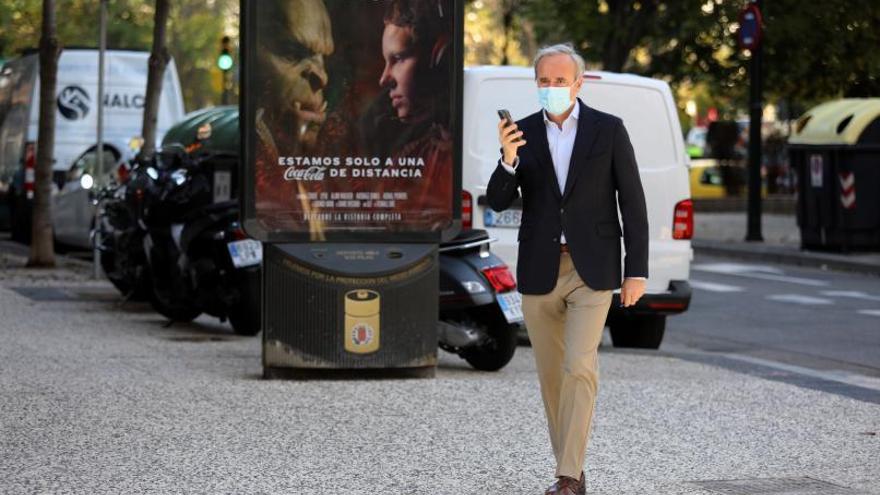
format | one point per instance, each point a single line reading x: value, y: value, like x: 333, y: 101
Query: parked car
x: 75, y: 131
x: 707, y: 179
x: 649, y: 113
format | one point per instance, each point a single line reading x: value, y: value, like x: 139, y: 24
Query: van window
x: 643, y: 110
x: 88, y: 162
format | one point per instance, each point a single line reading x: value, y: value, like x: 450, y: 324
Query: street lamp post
x: 750, y: 32
x: 99, y: 164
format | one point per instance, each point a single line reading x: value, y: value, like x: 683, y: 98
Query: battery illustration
x: 362, y: 321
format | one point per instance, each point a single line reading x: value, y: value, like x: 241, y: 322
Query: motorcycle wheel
x: 245, y: 322
x: 108, y: 264
x: 501, y: 346
x: 173, y: 311
x: 140, y: 286
x: 245, y: 316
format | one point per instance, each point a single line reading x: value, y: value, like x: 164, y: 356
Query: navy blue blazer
x: 602, y: 175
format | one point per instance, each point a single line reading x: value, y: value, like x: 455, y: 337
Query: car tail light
x: 467, y: 210
x: 500, y: 278
x: 683, y: 220
x: 238, y: 234
x: 30, y: 162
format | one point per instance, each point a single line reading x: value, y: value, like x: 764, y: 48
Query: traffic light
x: 224, y: 61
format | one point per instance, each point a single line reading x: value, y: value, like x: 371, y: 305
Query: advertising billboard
x: 351, y: 127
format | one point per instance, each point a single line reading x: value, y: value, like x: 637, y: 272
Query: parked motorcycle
x: 200, y: 259
x: 119, y: 229
x: 480, y: 309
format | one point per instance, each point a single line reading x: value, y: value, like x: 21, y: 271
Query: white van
x: 75, y: 131
x: 649, y: 114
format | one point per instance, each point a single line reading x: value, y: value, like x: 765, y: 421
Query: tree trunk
x: 42, y: 254
x: 158, y: 61
x: 628, y: 26
x: 507, y: 10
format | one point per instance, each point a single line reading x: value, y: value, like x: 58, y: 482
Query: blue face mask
x: 554, y: 99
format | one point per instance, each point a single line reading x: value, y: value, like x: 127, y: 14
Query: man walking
x: 574, y: 166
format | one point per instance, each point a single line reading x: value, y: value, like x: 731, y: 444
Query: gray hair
x: 561, y: 49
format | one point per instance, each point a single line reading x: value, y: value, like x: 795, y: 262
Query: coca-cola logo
x: 311, y: 173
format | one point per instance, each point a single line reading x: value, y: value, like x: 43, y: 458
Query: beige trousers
x: 565, y: 328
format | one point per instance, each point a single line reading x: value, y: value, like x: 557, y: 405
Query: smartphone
x: 505, y: 115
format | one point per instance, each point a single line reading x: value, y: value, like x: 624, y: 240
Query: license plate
x: 506, y: 218
x: 222, y: 186
x: 245, y: 253
x: 511, y: 306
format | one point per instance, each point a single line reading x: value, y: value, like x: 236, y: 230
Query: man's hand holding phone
x: 510, y: 137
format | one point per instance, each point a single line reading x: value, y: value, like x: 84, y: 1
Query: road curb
x: 61, y: 260
x: 788, y: 256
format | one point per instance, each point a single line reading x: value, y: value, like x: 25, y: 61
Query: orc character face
x: 292, y: 58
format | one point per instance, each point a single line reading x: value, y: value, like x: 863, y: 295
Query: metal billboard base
x: 335, y: 311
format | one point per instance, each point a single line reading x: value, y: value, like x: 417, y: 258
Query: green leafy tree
x: 195, y: 28
x: 812, y: 52
x: 497, y: 33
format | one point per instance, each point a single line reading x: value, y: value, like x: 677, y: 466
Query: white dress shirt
x: 561, y: 144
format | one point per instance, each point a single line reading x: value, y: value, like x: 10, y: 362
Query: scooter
x: 200, y: 259
x: 480, y: 309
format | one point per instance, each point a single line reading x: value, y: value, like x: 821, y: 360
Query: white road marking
x: 856, y: 294
x: 761, y: 272
x: 732, y: 268
x: 713, y: 287
x: 870, y: 312
x: 840, y: 376
x: 799, y: 299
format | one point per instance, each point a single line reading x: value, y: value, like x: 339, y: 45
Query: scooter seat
x: 467, y: 236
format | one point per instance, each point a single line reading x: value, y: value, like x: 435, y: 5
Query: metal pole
x: 756, y: 111
x: 99, y: 165
x: 225, y: 95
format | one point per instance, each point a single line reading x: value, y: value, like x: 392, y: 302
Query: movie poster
x: 352, y: 116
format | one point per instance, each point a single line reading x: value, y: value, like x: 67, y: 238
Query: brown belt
x: 563, y: 248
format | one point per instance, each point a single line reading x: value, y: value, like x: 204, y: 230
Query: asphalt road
x: 826, y: 322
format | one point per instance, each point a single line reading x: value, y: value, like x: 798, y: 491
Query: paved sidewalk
x: 723, y: 234
x: 101, y: 398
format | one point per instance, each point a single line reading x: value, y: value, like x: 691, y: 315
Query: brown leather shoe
x: 568, y: 486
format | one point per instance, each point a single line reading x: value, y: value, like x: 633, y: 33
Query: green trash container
x: 835, y: 151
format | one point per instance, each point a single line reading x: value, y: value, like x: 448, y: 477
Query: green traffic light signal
x: 224, y: 61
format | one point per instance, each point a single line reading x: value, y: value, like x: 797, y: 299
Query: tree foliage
x: 195, y: 28
x: 812, y: 52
